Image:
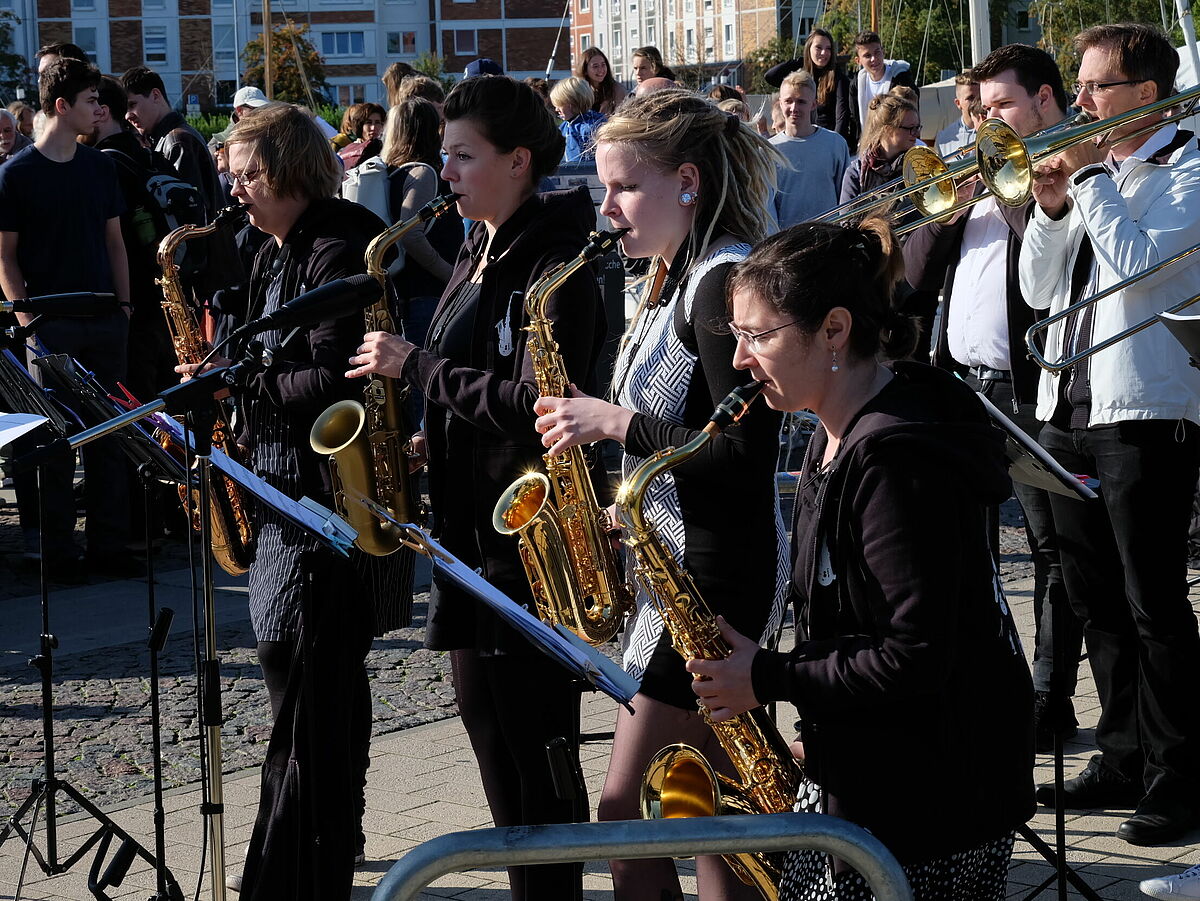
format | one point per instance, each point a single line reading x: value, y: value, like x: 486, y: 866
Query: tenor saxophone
x: 679, y: 782
x: 232, y: 530
x: 572, y: 567
x: 367, y: 443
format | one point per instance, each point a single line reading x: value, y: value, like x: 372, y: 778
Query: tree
x: 756, y: 63
x: 13, y: 71
x: 288, y: 42
x: 1061, y: 20
x: 429, y: 63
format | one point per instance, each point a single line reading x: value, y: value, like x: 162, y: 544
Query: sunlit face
x: 644, y: 199
x: 870, y: 57
x: 485, y: 177
x: 249, y: 187
x: 820, y: 51
x: 566, y: 112
x: 788, y: 362
x: 797, y: 105
x: 901, y: 139
x: 597, y: 69
x: 83, y: 115
x: 1102, y: 67
x: 373, y: 127
x: 642, y: 69
x: 143, y: 113
x: 1004, y: 98
x: 8, y: 135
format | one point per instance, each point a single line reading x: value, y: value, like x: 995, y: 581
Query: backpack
x: 167, y: 202
x: 367, y: 184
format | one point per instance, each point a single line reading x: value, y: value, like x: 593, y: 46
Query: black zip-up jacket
x: 907, y: 673
x: 931, y: 258
x: 479, y: 416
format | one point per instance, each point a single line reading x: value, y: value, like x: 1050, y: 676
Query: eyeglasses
x: 754, y: 339
x: 914, y: 130
x: 1094, y: 87
x: 246, y: 179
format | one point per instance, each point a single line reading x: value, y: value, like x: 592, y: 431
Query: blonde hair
x: 295, y: 158
x: 419, y: 86
x: 573, y: 91
x: 736, y: 107
x: 886, y: 111
x: 737, y: 167
x: 800, y: 79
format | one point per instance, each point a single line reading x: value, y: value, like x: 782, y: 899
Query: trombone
x: 1055, y: 367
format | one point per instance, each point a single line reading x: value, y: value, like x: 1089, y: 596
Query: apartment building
x: 196, y: 44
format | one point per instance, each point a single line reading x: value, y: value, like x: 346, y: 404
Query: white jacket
x: 1148, y: 212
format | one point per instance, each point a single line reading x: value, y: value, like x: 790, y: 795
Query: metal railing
x: 636, y: 839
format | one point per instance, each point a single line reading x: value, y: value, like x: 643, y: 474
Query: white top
x: 977, y: 329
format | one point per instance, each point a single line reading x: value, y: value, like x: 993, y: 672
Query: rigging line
x: 300, y: 62
x: 957, y: 45
x: 895, y: 36
x: 920, y: 73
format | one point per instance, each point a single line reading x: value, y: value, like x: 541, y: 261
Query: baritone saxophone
x: 368, y: 443
x: 232, y: 530
x: 679, y: 782
x: 572, y: 566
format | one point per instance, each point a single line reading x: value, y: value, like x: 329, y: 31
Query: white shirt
x: 977, y: 329
x: 954, y: 136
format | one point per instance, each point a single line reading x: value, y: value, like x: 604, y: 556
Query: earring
x: 687, y: 198
x: 834, y: 367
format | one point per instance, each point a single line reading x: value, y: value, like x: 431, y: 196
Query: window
x: 650, y: 35
x: 402, y: 42
x: 689, y: 43
x: 709, y: 46
x: 1022, y: 20
x: 671, y: 45
x: 616, y: 42
x: 584, y: 5
x: 154, y: 4
x: 154, y: 43
x: 342, y: 43
x: 600, y: 40
x: 86, y: 39
x: 223, y: 49
x: 83, y: 5
x: 465, y: 43
x: 350, y: 93
x: 729, y: 42
x: 670, y: 9
x: 585, y: 41
x: 221, y: 3
x: 689, y: 6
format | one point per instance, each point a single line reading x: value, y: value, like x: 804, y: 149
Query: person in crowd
x: 819, y: 59
x: 366, y: 125
x: 667, y: 162
x: 892, y: 129
x: 12, y: 141
x: 650, y: 85
x: 1174, y: 887
x: 973, y: 259
x: 978, y: 114
x: 24, y: 115
x: 876, y: 77
x: 899, y: 645
x: 412, y: 151
x: 424, y: 87
x: 480, y: 388
x: 817, y: 158
x: 572, y: 99
x: 245, y: 101
x: 719, y: 92
x: 52, y: 53
x: 1127, y: 416
x: 285, y: 173
x: 735, y: 107
x: 961, y: 132
x: 60, y: 231
x: 482, y: 66
x: 647, y: 63
x: 541, y: 87
x: 393, y: 77
x: 607, y: 94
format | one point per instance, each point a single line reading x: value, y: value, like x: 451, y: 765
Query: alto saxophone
x: 679, y: 782
x: 573, y: 569
x: 232, y: 531
x: 367, y: 442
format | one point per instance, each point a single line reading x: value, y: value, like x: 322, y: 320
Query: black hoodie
x: 479, y: 416
x: 908, y: 675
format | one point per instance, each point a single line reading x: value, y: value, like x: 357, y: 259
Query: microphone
x: 76, y: 303
x: 329, y: 301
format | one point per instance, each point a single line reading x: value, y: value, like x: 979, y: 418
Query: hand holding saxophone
x: 382, y: 353
x: 565, y: 422
x: 724, y: 686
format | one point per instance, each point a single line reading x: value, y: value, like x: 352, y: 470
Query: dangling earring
x: 834, y: 367
x: 687, y: 198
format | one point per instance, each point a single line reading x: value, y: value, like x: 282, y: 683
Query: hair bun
x: 732, y: 124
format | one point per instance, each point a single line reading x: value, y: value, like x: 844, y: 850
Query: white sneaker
x: 1183, y: 885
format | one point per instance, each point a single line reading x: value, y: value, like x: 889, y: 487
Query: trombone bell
x: 1004, y: 162
x: 923, y: 167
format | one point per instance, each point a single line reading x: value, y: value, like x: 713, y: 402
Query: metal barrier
x: 635, y: 839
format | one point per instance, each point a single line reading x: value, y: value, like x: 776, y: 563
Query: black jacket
x: 905, y: 78
x: 907, y: 674
x: 931, y: 257
x: 834, y: 114
x: 479, y: 415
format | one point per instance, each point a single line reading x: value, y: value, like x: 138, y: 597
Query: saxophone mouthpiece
x: 226, y: 215
x: 602, y: 242
x: 437, y: 206
x: 734, y: 406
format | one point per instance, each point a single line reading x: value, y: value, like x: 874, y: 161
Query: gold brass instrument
x: 679, y: 782
x: 232, y: 531
x: 367, y: 442
x: 573, y: 569
x: 1058, y: 366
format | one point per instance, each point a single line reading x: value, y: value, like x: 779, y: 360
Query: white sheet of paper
x: 14, y: 425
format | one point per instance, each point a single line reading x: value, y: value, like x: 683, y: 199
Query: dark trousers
x: 1049, y: 588
x: 511, y: 707
x: 98, y: 343
x: 1125, y: 564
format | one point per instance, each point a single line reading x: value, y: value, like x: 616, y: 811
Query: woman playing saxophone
x: 691, y: 183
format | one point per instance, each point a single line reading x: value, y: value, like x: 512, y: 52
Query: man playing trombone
x: 1128, y: 415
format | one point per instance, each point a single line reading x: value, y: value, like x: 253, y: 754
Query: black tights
x: 511, y: 707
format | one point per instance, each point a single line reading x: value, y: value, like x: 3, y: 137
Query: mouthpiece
x: 734, y: 406
x: 600, y: 243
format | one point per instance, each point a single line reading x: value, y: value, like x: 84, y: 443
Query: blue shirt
x: 580, y: 135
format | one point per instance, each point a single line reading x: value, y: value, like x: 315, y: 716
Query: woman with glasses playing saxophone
x: 907, y: 671
x: 479, y: 383
x: 690, y: 182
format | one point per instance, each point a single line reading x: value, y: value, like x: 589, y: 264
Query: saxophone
x: 679, y: 782
x: 367, y: 442
x: 232, y: 531
x: 573, y: 569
